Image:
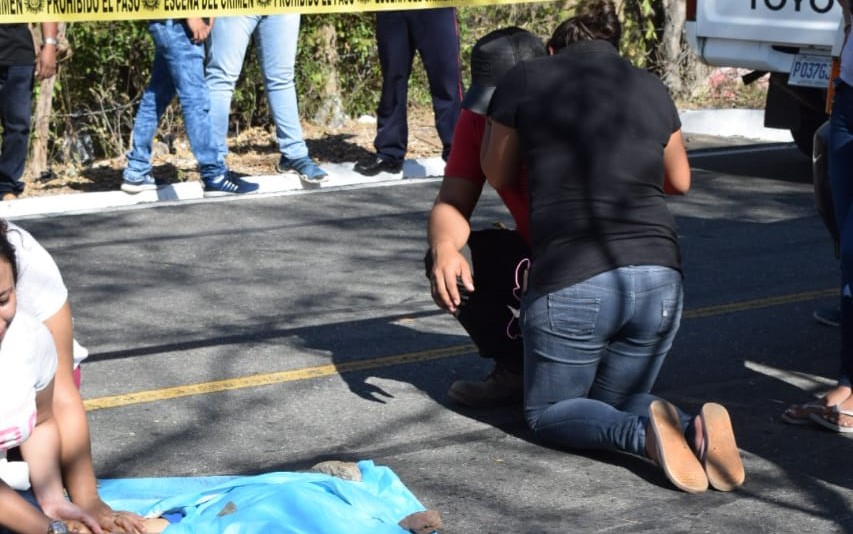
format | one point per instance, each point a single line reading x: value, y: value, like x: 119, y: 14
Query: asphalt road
x: 271, y: 333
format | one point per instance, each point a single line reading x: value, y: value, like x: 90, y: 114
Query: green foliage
x: 357, y: 67
x: 641, y: 21
x: 99, y: 82
x: 102, y: 80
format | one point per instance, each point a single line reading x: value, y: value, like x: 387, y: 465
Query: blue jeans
x: 275, y: 41
x: 178, y: 69
x: 841, y: 175
x: 592, y: 352
x: 16, y: 90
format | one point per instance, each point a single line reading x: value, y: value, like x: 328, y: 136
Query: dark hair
x: 595, y: 19
x: 7, y: 251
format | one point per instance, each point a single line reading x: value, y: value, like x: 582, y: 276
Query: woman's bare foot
x: 698, y: 444
x: 838, y: 395
x: 839, y: 418
x: 801, y: 414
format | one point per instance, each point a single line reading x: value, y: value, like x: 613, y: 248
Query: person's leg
x: 498, y: 260
x: 226, y: 52
x: 840, y: 166
x: 635, y: 353
x: 155, y: 98
x: 436, y: 37
x: 276, y: 40
x: 396, y: 53
x: 566, y: 333
x: 185, y: 61
x: 16, y: 87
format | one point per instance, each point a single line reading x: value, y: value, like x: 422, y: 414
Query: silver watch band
x: 50, y: 41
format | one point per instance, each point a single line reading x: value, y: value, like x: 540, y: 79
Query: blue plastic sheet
x: 309, y: 503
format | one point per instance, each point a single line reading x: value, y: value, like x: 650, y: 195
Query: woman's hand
x: 112, y: 521
x: 72, y: 515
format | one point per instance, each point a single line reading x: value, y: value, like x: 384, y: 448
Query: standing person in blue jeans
x: 179, y: 69
x: 835, y: 409
x: 276, y: 38
x: 399, y: 34
x: 19, y: 61
x: 602, y: 142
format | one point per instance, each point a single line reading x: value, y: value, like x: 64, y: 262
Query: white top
x: 40, y: 289
x: 27, y: 365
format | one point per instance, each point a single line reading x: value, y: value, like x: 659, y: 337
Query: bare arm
x: 75, y: 450
x: 499, y: 155
x: 447, y: 233
x: 17, y: 513
x: 41, y: 452
x: 676, y: 166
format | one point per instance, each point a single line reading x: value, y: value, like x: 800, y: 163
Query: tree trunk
x: 680, y: 70
x: 40, y: 133
x: 331, y: 110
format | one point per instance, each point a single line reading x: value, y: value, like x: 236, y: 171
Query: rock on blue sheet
x: 309, y: 503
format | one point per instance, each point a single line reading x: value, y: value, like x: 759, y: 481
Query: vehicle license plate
x: 810, y: 71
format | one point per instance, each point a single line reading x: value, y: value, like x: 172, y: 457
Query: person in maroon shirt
x: 477, y: 275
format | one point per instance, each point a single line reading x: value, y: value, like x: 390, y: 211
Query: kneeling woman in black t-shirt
x: 602, y: 142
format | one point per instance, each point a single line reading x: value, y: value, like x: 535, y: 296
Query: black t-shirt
x: 592, y: 129
x: 16, y: 45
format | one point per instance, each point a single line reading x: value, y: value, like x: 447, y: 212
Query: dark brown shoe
x: 375, y: 165
x: 501, y: 388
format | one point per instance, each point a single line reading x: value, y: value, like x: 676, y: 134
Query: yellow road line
x: 265, y: 379
x: 721, y: 309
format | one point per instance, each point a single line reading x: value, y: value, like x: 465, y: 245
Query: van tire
x: 804, y: 135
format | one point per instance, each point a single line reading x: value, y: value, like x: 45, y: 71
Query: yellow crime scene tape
x: 100, y: 10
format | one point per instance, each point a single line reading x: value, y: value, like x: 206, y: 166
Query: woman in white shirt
x: 28, y: 361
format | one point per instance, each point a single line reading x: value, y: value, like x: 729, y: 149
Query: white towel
x: 15, y: 474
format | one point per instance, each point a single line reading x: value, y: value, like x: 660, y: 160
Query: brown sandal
x: 674, y: 455
x: 720, y: 455
x: 800, y: 414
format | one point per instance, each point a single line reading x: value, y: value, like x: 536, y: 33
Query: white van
x: 792, y: 40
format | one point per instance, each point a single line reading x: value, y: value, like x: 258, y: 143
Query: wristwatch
x: 57, y: 527
x: 50, y: 41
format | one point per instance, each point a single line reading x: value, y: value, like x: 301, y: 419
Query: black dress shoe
x: 374, y: 166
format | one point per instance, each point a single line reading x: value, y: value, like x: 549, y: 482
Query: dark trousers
x: 399, y: 34
x: 840, y: 172
x: 16, y: 93
x: 498, y: 259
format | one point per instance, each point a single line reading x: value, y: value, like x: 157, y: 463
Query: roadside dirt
x: 252, y: 152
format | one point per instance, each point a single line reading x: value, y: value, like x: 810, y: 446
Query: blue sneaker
x: 308, y: 171
x: 228, y: 184
x: 146, y: 183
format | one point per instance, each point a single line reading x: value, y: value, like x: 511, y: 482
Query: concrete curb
x: 745, y: 123
x: 340, y: 175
